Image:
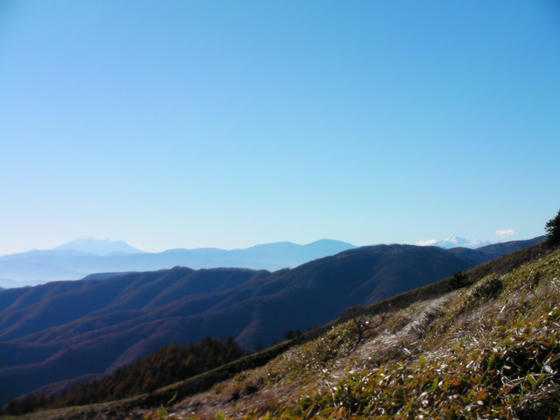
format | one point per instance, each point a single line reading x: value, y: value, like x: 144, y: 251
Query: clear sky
x: 230, y: 123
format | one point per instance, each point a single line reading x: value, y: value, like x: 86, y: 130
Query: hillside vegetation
x: 491, y: 350
x: 484, y: 344
x: 63, y: 333
x: 168, y: 365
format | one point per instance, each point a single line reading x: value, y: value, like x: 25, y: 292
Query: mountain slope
x: 67, y: 329
x: 488, y: 350
x: 503, y: 248
x: 64, y: 330
x: 490, y: 252
x: 491, y: 350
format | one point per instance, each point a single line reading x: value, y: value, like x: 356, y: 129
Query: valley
x: 62, y: 333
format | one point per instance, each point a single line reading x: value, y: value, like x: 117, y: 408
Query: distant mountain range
x: 99, y: 247
x: 79, y: 258
x: 64, y: 331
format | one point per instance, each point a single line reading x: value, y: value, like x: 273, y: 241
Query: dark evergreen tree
x: 553, y: 229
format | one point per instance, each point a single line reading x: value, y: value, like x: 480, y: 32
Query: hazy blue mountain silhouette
x: 71, y: 261
x: 70, y: 329
x: 98, y: 247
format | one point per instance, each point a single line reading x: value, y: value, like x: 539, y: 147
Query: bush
x: 360, y: 322
x: 291, y: 334
x: 458, y: 280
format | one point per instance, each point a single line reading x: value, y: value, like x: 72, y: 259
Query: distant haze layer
x: 79, y: 258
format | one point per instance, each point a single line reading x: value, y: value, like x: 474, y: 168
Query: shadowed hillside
x: 66, y: 330
x: 440, y: 329
x: 168, y: 365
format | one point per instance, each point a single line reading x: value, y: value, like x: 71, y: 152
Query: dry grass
x: 491, y: 350
x: 434, y: 345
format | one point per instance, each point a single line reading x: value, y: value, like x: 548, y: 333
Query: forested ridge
x: 168, y: 365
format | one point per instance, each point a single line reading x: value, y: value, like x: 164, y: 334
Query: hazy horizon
x: 190, y: 125
x: 447, y: 241
x: 169, y: 248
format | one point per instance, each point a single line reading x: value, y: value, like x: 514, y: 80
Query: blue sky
x: 196, y: 123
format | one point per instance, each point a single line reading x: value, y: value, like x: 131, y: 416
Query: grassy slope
x: 435, y: 349
x: 491, y: 350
